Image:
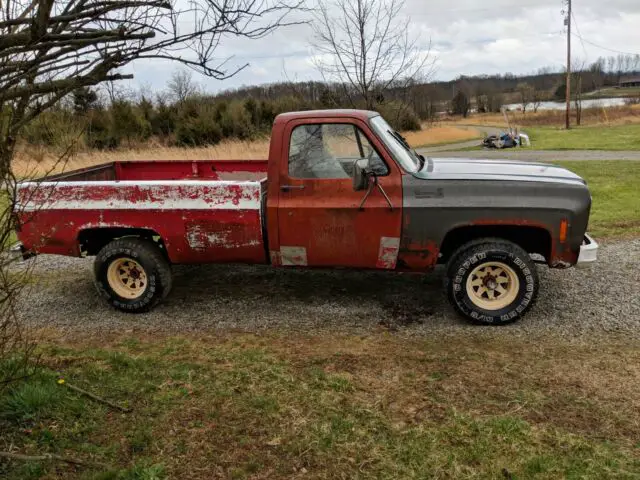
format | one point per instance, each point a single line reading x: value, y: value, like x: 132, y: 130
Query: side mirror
x: 360, y: 176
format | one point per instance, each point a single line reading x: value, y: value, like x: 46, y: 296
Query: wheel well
x: 534, y: 240
x: 92, y: 240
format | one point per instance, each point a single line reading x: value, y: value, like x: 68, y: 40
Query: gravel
x: 576, y: 304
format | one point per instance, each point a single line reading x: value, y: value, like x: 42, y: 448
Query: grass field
x: 614, y: 92
x: 291, y: 406
x: 614, y: 188
x: 616, y: 137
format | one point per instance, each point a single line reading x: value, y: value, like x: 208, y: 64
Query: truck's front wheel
x: 132, y: 274
x: 492, y: 282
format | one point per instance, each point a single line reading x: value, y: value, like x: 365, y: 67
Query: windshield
x: 399, y: 147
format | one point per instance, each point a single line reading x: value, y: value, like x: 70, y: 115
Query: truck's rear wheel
x: 492, y: 282
x: 132, y: 274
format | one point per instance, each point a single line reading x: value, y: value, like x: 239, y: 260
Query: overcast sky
x: 468, y: 37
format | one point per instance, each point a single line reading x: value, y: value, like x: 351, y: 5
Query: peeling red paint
x: 199, y: 221
x: 388, y: 254
x: 127, y: 195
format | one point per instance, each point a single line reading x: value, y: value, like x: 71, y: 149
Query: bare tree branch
x: 365, y: 46
x: 49, y: 48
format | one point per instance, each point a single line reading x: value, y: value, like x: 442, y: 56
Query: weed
x: 30, y: 400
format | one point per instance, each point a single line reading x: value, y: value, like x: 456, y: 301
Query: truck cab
x: 315, y: 216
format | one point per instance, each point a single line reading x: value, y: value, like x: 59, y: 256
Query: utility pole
x: 568, y: 93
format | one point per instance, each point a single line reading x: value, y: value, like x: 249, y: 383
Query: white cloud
x: 469, y: 37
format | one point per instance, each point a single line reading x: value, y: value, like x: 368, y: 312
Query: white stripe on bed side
x: 182, y: 195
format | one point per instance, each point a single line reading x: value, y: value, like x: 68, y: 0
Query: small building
x: 628, y: 82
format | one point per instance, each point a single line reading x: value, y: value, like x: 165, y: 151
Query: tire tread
x: 144, y: 248
x: 482, y: 245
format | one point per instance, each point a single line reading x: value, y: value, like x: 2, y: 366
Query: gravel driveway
x: 573, y: 303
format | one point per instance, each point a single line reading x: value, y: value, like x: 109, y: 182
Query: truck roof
x: 348, y: 113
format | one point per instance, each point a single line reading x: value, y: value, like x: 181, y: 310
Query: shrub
x: 460, y: 104
x: 127, y: 123
x: 267, y: 114
x: 197, y: 125
x: 235, y: 121
x: 400, y: 116
x: 561, y: 92
x: 163, y: 121
x: 54, y: 128
x: 98, y: 130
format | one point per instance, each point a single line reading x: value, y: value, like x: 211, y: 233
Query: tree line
x: 183, y: 115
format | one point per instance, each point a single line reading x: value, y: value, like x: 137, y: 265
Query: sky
x: 467, y: 37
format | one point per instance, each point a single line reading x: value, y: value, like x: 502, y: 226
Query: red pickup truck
x: 341, y: 188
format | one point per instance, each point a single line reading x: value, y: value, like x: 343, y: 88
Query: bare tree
x: 181, y: 85
x: 578, y: 67
x: 536, y: 99
x: 49, y: 48
x: 365, y: 46
x: 526, y: 93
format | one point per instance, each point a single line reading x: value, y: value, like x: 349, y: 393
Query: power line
x: 603, y: 48
x: 575, y: 22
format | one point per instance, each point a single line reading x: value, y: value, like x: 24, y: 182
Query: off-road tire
x: 490, y: 252
x: 146, y: 254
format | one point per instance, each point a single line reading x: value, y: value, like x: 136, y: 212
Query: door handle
x: 286, y: 188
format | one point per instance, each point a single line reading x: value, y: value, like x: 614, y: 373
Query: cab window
x: 330, y: 150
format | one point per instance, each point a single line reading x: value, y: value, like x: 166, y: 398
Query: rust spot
x: 509, y: 221
x: 418, y: 256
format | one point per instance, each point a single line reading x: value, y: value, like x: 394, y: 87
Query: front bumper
x: 588, y: 252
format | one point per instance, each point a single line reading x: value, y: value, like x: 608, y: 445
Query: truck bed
x: 167, y: 170
x: 203, y: 211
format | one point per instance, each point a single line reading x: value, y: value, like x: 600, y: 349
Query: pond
x: 587, y: 103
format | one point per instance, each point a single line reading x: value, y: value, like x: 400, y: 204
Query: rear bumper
x: 19, y: 250
x: 588, y: 252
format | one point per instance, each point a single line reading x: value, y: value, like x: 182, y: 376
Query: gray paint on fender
x: 448, y: 194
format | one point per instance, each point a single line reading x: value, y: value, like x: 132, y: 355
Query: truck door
x: 320, y: 221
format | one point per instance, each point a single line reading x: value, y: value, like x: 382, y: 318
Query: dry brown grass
x: 441, y: 134
x: 36, y: 161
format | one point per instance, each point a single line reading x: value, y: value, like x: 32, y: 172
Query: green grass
x: 616, y: 200
x: 329, y: 407
x: 614, y: 92
x: 617, y: 137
